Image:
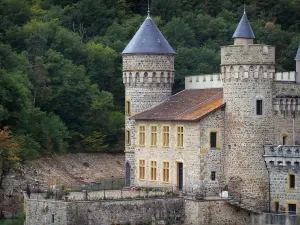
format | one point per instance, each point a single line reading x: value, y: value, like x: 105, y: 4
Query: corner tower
x: 148, y: 76
x: 247, y: 73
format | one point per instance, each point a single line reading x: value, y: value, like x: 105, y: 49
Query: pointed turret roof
x: 148, y: 39
x: 244, y: 29
x: 298, y: 54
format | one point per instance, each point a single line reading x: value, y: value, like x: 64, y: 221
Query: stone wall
x: 274, y: 219
x: 214, y: 213
x: 39, y: 212
x: 203, y: 81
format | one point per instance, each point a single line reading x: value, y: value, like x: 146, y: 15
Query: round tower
x: 148, y: 76
x: 247, y: 73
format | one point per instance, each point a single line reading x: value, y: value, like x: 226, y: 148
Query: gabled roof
x: 298, y: 54
x: 148, y: 39
x: 244, y: 29
x: 187, y: 105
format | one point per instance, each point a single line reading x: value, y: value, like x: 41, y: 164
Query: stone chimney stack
x: 297, y: 59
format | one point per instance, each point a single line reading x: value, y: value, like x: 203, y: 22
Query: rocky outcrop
x: 70, y: 170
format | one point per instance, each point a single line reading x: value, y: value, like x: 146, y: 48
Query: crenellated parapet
x: 248, y: 55
x: 282, y: 155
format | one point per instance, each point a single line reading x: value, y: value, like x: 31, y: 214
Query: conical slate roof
x: 298, y: 54
x: 244, y: 29
x: 148, y: 39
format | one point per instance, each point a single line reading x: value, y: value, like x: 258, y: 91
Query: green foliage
x: 60, y: 65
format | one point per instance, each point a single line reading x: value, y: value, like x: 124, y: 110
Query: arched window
x: 251, y: 71
x: 168, y: 78
x: 241, y: 72
x: 162, y: 77
x: 154, y: 78
x: 231, y: 72
x: 260, y: 71
x: 137, y: 76
x: 130, y: 77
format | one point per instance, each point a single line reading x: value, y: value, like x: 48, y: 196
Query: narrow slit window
x: 284, y: 137
x: 292, y: 181
x: 52, y: 218
x: 213, y: 175
x: 213, y: 139
x: 128, y: 137
x: 276, y: 206
x: 127, y: 108
x: 259, y: 107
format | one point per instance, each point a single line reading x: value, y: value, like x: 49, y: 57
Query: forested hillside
x: 60, y: 79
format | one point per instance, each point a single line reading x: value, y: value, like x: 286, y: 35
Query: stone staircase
x: 241, y: 205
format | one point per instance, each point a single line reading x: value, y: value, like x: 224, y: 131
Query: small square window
x: 213, y: 175
x: 259, y: 107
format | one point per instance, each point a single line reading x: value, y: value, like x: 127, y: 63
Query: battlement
x: 286, y: 76
x: 282, y: 155
x: 203, y: 81
x: 150, y: 62
x: 247, y: 55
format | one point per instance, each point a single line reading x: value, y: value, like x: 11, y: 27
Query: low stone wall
x: 40, y: 212
x: 214, y: 213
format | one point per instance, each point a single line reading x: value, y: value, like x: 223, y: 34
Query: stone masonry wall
x: 214, y: 213
x: 148, y: 81
x: 197, y: 157
x: 39, y: 212
x: 248, y: 77
x: 279, y: 190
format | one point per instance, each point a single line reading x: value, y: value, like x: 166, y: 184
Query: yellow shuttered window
x: 180, y: 137
x: 153, y: 139
x: 153, y: 172
x: 166, y: 136
x: 166, y: 172
x: 142, y: 171
x: 142, y: 134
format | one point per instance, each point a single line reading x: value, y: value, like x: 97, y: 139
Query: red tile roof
x: 187, y: 105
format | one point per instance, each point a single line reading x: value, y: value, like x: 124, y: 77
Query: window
x: 128, y: 137
x: 213, y: 175
x: 166, y: 136
x: 284, y: 137
x: 259, y: 107
x: 142, y: 169
x: 291, y: 181
x: 166, y: 172
x: 153, y: 170
x: 142, y: 130
x: 127, y: 108
x: 180, y: 137
x: 52, y: 218
x: 153, y: 139
x: 292, y: 209
x: 213, y: 139
x: 276, y: 206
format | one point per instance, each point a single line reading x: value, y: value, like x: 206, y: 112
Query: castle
x: 237, y: 130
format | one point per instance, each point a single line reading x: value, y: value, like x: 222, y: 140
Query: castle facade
x: 238, y: 130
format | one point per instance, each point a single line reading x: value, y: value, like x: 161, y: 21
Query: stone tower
x: 247, y: 72
x: 148, y: 76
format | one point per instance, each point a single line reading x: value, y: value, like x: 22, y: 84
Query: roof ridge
x: 206, y: 100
